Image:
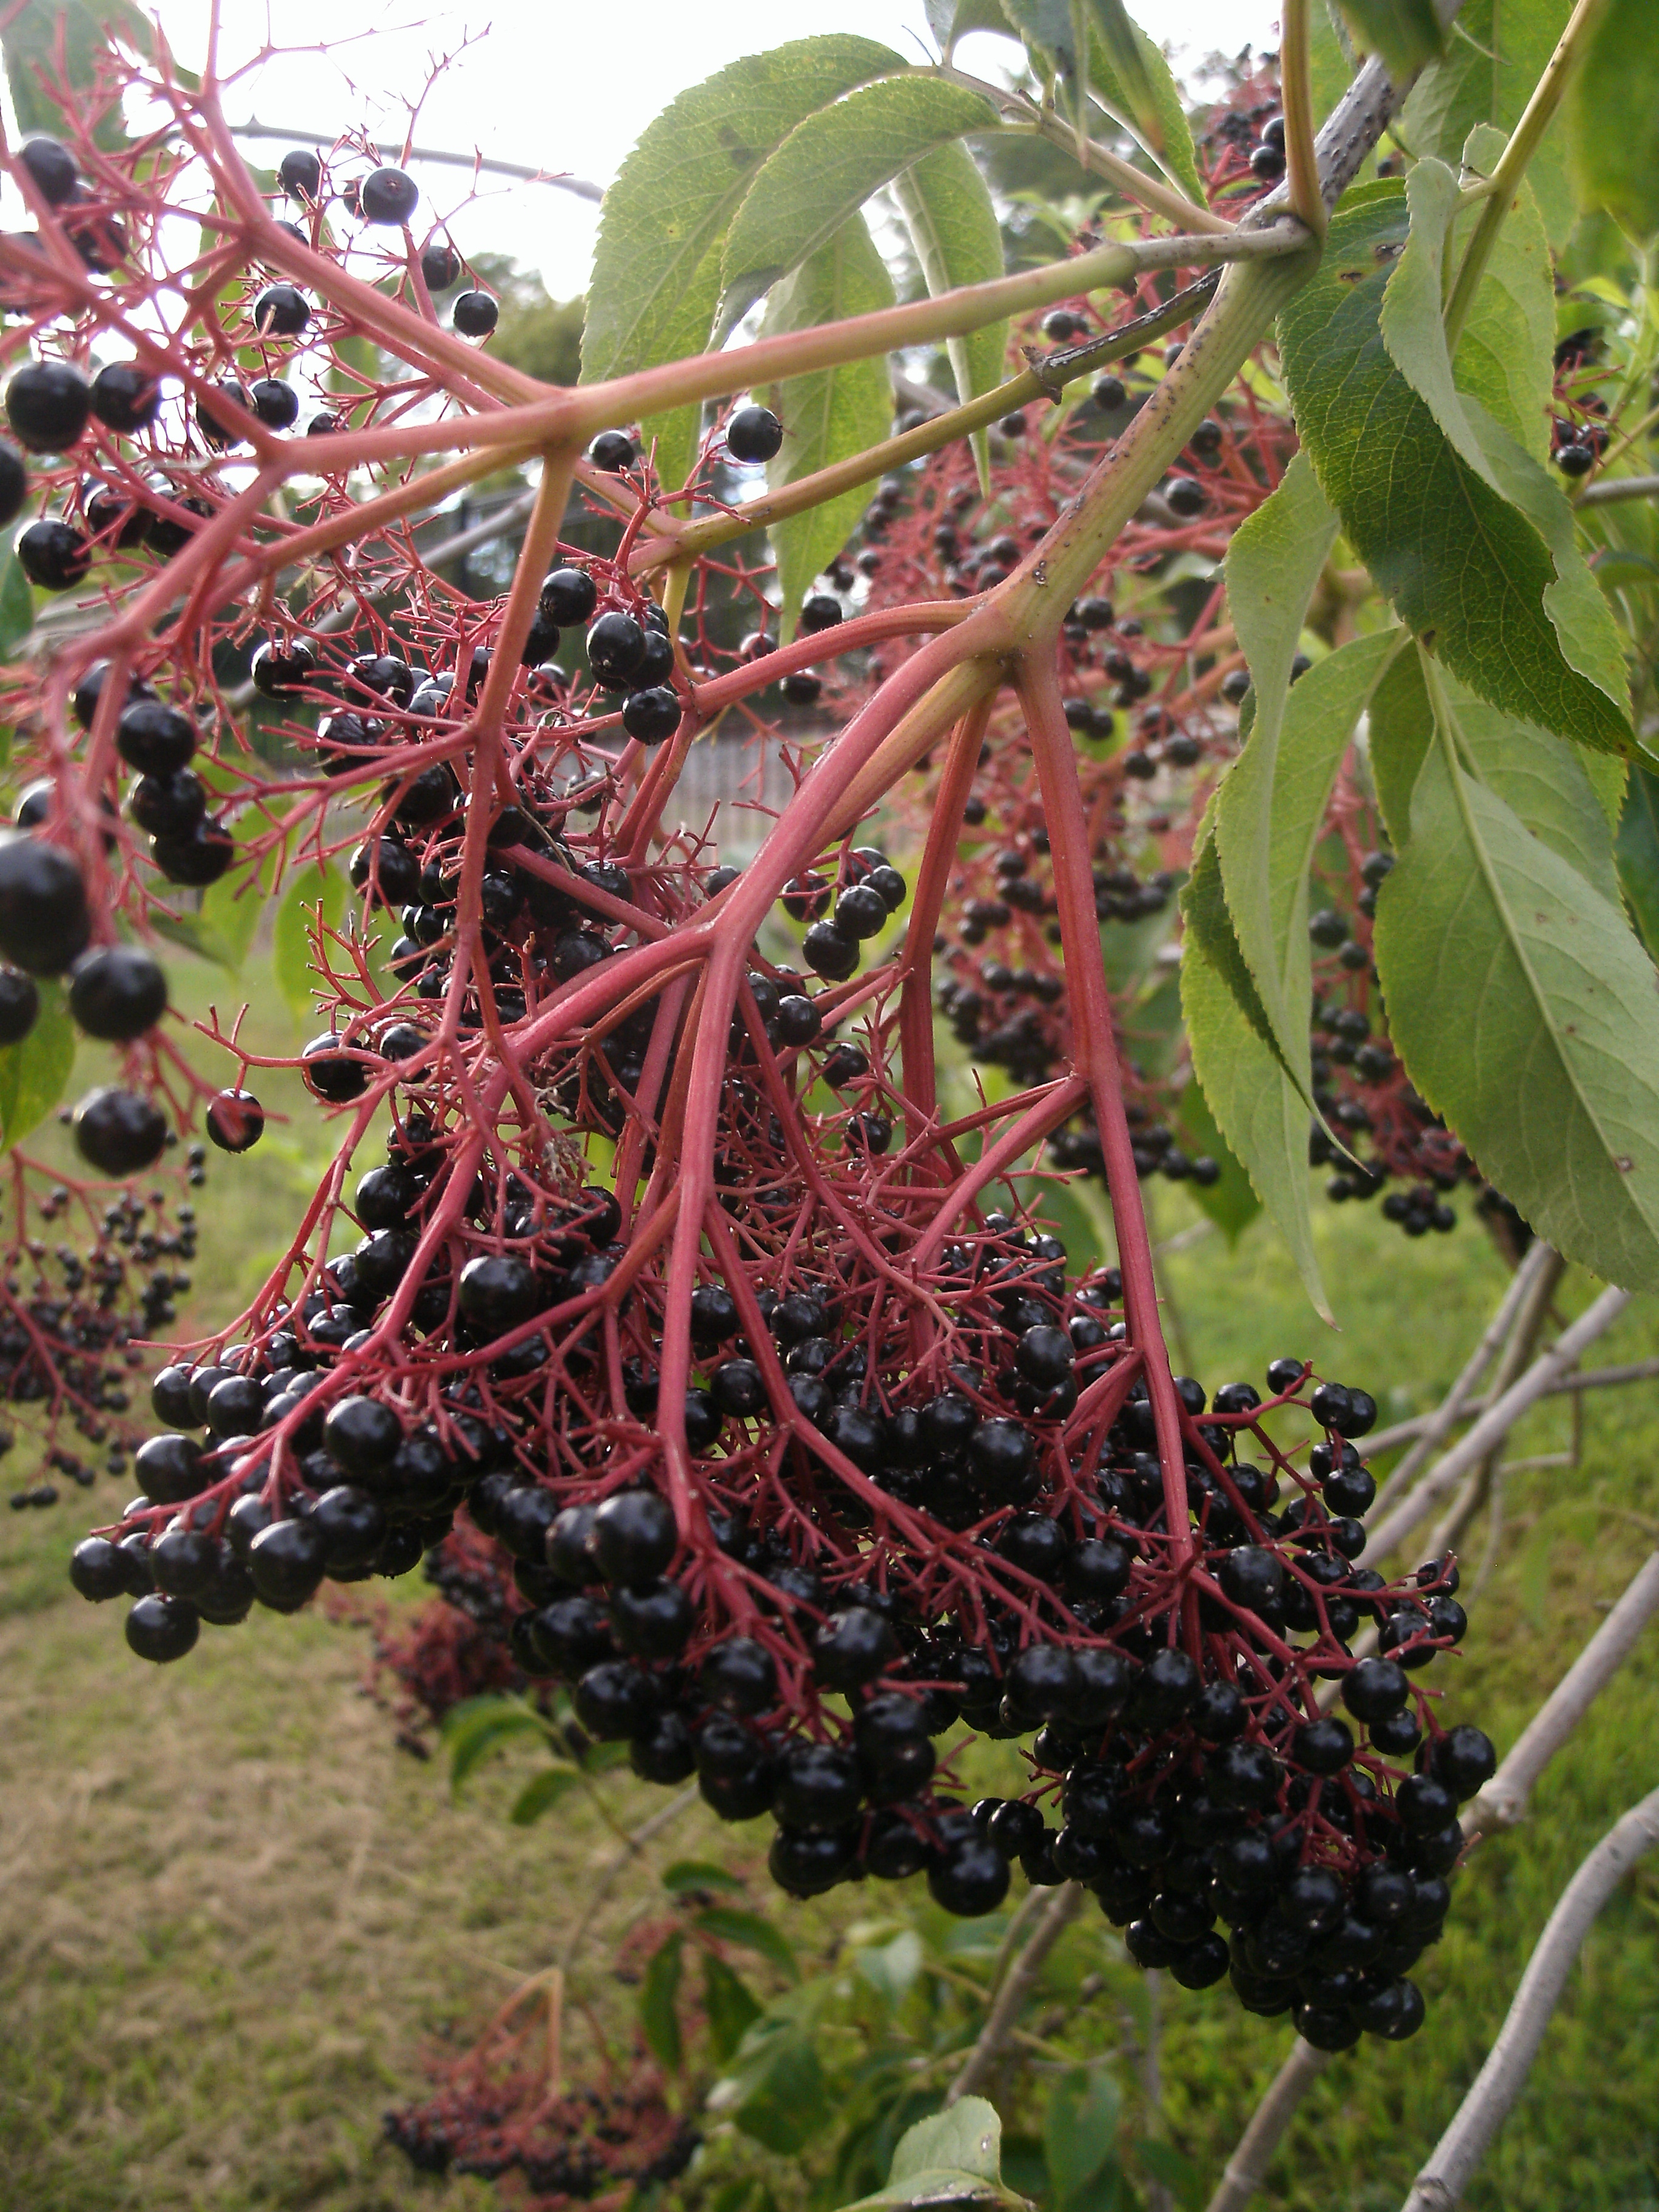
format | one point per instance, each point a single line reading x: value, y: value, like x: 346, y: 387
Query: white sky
x: 564, y: 87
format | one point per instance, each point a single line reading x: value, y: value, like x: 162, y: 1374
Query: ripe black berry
x: 116, y: 992
x: 235, y: 1120
x: 276, y: 404
x: 286, y: 1561
x: 830, y: 951
x: 1574, y: 459
x: 334, y: 1074
x: 440, y: 265
x: 48, y: 404
x: 569, y: 596
x: 388, y: 197
x: 1464, y: 1760
x: 651, y: 715
x: 162, y: 1628
x: 282, y: 311
x: 634, y: 1537
x: 118, y: 1132
x: 154, y: 739
x: 753, y: 433
x: 968, y: 1878
x: 20, y: 1005
x: 853, y: 1647
x: 613, y: 451
x: 301, y: 173
x: 52, y: 168
x: 616, y: 649
x: 53, y: 555
x: 197, y: 856
x: 125, y: 397
x: 475, y: 314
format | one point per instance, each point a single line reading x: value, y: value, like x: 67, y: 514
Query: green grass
x: 234, y: 1918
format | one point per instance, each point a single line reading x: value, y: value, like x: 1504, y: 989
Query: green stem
x: 1295, y: 79
x: 1134, y: 183
x: 1512, y: 163
x: 1046, y: 380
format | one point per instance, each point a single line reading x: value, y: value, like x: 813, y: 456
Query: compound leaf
x: 1466, y: 571
x: 826, y: 169
x: 657, y: 262
x: 1505, y: 357
x: 829, y: 414
x: 1230, y: 1200
x: 541, y: 1793
x: 1524, y: 1012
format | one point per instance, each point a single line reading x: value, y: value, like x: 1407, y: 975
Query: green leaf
x: 16, y: 604
x: 947, y: 206
x: 1269, y: 816
x: 1505, y: 357
x: 1463, y: 568
x: 1230, y: 1201
x: 231, y: 909
x: 830, y: 413
x: 1176, y: 2170
x: 1413, y: 331
x: 753, y: 1932
x: 1210, y: 927
x: 731, y: 2007
x: 951, y: 20
x: 1638, y: 853
x: 1399, y: 730
x: 688, y: 1875
x: 1523, y: 1010
x: 954, y: 2156
x: 541, y: 1793
x: 891, y: 1969
x: 657, y: 263
x: 35, y: 1072
x: 1542, y: 781
x: 1496, y: 56
x: 472, y: 1730
x: 1271, y: 805
x: 824, y: 172
x: 1256, y: 1105
x: 1130, y: 79
x: 660, y: 2021
x: 1404, y: 33
x: 312, y: 893
x: 1051, y: 36
x: 777, y: 2091
x: 30, y: 41
x: 1079, y: 2130
x: 1613, y: 115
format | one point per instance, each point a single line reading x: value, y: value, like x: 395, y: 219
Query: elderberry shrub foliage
x: 686, y: 1319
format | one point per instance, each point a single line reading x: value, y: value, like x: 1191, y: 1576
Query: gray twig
x: 1431, y: 1429
x: 1501, y: 2080
x: 1248, y: 2163
x: 296, y: 137
x: 1496, y: 1422
x: 1003, y: 2015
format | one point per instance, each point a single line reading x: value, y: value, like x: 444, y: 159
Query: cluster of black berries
x: 71, y: 1316
x: 983, y: 1536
